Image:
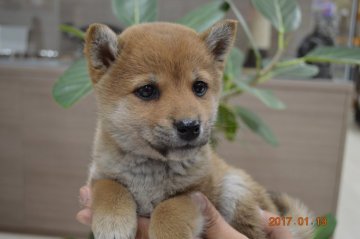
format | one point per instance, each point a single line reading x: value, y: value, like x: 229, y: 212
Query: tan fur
x: 176, y: 218
x: 108, y: 211
x: 140, y: 165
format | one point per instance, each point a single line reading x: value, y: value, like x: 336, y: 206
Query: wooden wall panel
x: 11, y: 166
x: 57, y: 145
x: 53, y: 148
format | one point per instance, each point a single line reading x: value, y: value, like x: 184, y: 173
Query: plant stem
x: 281, y: 40
x: 136, y: 12
x: 225, y: 97
x: 247, y: 33
x: 228, y: 94
x: 291, y: 62
x: 279, y: 52
x: 73, y: 31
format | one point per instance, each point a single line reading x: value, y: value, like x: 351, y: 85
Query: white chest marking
x: 151, y: 181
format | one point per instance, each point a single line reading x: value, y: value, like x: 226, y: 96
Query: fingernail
x: 199, y: 199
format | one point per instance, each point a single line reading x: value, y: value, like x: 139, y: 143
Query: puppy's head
x: 158, y: 84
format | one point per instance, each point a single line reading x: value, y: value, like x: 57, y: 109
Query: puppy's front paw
x: 114, y: 227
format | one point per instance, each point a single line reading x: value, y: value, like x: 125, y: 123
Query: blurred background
x: 37, y: 21
x: 45, y: 149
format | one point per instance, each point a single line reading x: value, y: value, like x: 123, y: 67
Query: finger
x: 216, y: 226
x: 85, y: 196
x: 143, y: 228
x: 84, y: 216
x: 208, y: 210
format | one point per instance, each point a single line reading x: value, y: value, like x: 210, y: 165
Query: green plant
x: 285, y: 17
x: 326, y: 230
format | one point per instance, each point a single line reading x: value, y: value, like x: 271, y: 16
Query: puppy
x: 157, y: 87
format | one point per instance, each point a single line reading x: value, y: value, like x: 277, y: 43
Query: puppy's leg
x: 176, y: 218
x: 239, y: 206
x: 114, y: 211
x: 248, y: 221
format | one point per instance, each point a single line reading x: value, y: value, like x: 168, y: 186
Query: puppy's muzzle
x: 188, y: 129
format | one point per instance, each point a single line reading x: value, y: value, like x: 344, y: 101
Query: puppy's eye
x: 147, y: 92
x: 199, y: 88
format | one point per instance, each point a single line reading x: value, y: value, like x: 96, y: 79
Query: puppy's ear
x: 219, y: 38
x: 101, y: 49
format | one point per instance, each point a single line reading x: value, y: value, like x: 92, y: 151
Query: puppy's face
x: 158, y: 85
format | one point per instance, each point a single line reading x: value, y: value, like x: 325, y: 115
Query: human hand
x: 216, y: 226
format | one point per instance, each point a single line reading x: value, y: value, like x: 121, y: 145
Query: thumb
x: 215, y: 225
x: 209, y: 212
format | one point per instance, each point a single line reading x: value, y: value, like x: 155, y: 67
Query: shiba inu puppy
x: 157, y: 87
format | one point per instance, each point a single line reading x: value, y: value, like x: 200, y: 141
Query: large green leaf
x: 72, y: 85
x: 300, y: 70
x: 265, y: 96
x: 226, y: 121
x: 234, y: 64
x: 285, y: 15
x: 326, y: 230
x: 253, y: 122
x: 130, y: 12
x: 205, y: 16
x: 339, y: 55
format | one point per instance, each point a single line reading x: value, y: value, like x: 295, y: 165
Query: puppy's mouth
x: 164, y: 150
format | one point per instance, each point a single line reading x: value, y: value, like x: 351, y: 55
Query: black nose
x: 188, y: 129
